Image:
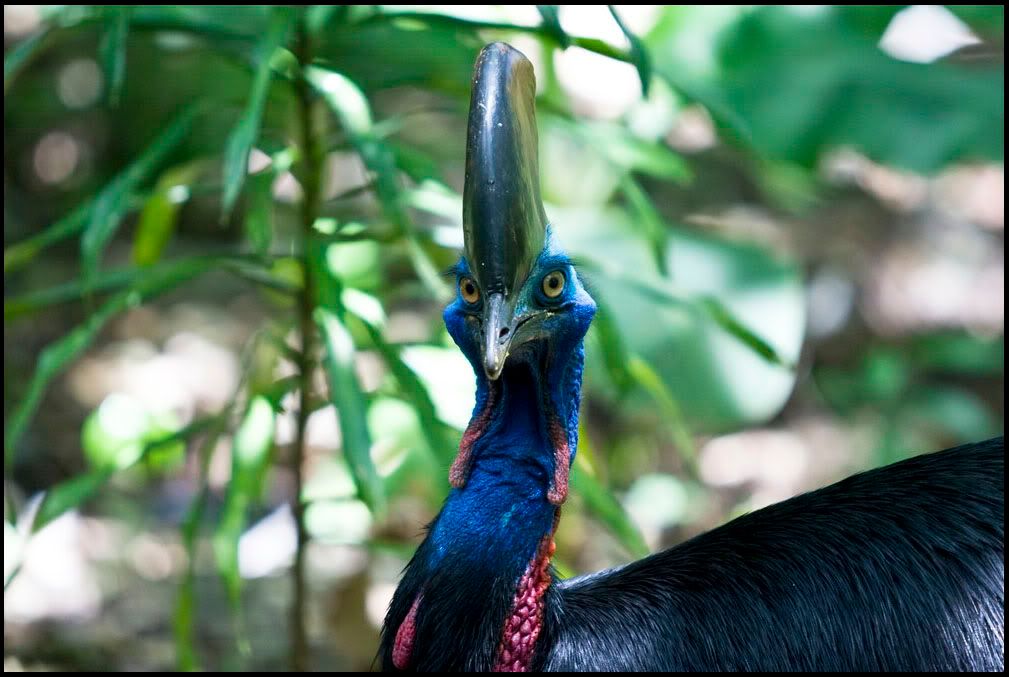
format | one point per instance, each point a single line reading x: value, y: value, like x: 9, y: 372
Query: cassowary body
x: 897, y: 568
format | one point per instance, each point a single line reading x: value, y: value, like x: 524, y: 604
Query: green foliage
x: 250, y: 456
x: 638, y: 54
x: 245, y: 133
x: 111, y: 204
x: 793, y: 84
x: 113, y: 49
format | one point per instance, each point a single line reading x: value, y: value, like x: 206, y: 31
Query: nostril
x: 503, y: 332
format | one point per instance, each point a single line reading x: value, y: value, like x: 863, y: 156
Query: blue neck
x: 450, y: 608
x: 502, y: 512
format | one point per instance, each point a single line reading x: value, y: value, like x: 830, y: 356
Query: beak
x: 498, y: 334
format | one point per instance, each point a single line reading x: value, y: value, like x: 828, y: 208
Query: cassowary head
x: 520, y: 317
x: 518, y: 298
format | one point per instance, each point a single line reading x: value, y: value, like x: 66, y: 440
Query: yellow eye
x: 469, y: 291
x: 553, y: 284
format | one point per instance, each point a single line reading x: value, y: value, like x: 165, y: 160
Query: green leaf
x: 552, y: 25
x: 184, y: 621
x: 75, y: 491
x: 351, y: 108
x: 612, y: 347
x: 160, y: 213
x: 259, y: 215
x: 719, y: 380
x: 624, y: 150
x: 626, y: 369
x: 246, y: 132
x: 184, y: 618
x: 22, y: 253
x: 648, y: 217
x: 113, y: 49
x: 118, y: 279
x: 351, y: 407
x: 956, y: 412
x: 608, y: 510
x: 70, y: 494
x: 58, y: 355
x: 344, y: 389
x: 727, y: 321
x: 808, y: 82
x: 960, y: 353
x: 320, y: 17
x: 411, y: 386
x: 639, y: 53
x: 669, y: 408
x: 633, y: 153
x: 250, y: 456
x: 22, y: 54
x: 114, y: 200
x: 443, y: 25
x: 154, y: 228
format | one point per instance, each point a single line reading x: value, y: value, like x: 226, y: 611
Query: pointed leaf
x: 259, y: 215
x: 184, y: 618
x: 411, y: 386
x: 58, y: 355
x: 22, y: 54
x: 70, y: 494
x: 246, y: 132
x: 608, y: 510
x: 250, y: 455
x: 552, y: 25
x: 23, y: 252
x: 351, y: 108
x: 626, y: 369
x: 115, y: 280
x: 160, y: 213
x: 651, y: 221
x: 113, y: 49
x: 669, y: 408
x: 114, y: 200
x: 639, y: 53
x: 727, y: 321
x: 75, y: 491
x: 351, y: 408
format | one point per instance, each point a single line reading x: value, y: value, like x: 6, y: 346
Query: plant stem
x: 310, y: 180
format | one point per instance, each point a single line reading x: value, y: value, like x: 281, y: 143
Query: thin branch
x: 311, y: 182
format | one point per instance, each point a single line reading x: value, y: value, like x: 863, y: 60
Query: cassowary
x: 899, y: 568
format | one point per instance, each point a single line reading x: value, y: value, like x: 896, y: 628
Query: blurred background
x: 792, y: 219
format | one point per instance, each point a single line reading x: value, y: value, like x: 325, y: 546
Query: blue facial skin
x: 502, y: 512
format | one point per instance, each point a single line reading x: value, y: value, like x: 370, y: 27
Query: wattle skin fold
x: 523, y: 627
x: 403, y: 648
x: 459, y: 472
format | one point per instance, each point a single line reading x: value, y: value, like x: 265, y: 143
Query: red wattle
x: 522, y: 628
x: 459, y: 472
x: 402, y: 649
x: 558, y: 491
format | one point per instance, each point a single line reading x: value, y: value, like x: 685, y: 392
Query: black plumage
x: 899, y: 568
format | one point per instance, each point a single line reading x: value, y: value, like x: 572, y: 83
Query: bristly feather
x: 900, y: 568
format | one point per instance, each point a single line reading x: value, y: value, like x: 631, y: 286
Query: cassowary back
x: 900, y: 568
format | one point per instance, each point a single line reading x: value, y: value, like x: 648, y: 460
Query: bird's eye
x: 469, y: 291
x: 553, y: 284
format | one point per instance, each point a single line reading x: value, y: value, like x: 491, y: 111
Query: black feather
x: 900, y: 568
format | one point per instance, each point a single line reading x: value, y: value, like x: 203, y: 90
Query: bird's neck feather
x: 493, y: 538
